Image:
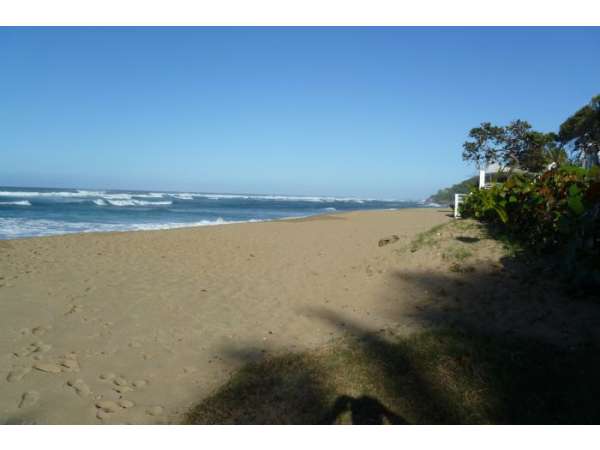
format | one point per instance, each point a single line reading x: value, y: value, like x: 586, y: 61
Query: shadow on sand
x: 501, y: 345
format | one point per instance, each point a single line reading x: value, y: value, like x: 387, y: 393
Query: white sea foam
x: 284, y: 198
x: 81, y: 193
x: 149, y: 195
x: 183, y: 196
x: 116, y: 196
x: 137, y: 203
x: 17, y: 203
x: 59, y: 194
x: 11, y: 228
x: 131, y: 202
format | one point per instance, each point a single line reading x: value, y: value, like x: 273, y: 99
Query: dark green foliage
x: 558, y: 211
x: 485, y: 145
x: 446, y: 195
x: 538, y: 150
x: 556, y: 155
x: 581, y: 132
x: 516, y: 145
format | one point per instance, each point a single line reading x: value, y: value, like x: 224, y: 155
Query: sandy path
x: 150, y: 322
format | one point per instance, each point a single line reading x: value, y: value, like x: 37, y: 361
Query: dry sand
x: 137, y: 327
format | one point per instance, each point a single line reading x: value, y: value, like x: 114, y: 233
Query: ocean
x: 27, y: 212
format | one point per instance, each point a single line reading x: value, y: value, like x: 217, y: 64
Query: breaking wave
x: 132, y: 202
x: 42, y: 212
x: 17, y: 203
x: 110, y: 195
x: 12, y: 228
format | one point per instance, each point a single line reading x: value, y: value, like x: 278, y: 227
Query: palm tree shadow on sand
x: 364, y: 410
x: 498, y: 349
x: 437, y: 377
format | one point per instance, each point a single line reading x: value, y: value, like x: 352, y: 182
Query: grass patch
x: 439, y: 376
x: 459, y: 268
x: 512, y: 248
x: 456, y: 253
x: 426, y: 238
x: 439, y: 233
x: 466, y: 225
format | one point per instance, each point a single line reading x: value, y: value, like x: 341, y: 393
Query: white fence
x: 458, y: 199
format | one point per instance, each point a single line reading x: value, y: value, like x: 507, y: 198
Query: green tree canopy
x: 581, y: 132
x: 516, y: 145
x: 485, y: 146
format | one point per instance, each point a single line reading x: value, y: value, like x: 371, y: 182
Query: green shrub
x: 559, y: 210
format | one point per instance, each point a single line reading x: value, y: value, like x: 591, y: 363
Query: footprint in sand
x: 70, y: 363
x: 139, y: 383
x: 35, y: 347
x: 41, y: 347
x: 107, y: 407
x: 108, y: 376
x: 17, y: 374
x: 121, y: 385
x: 122, y: 389
x: 120, y: 381
x: 126, y: 404
x: 41, y: 330
x: 48, y: 367
x: 101, y: 414
x: 155, y: 411
x: 74, y: 309
x: 29, y: 398
x: 79, y: 387
x: 25, y: 351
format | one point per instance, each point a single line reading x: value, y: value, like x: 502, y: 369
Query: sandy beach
x: 151, y: 322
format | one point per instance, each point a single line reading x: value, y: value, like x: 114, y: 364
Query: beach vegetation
x: 518, y: 145
x: 581, y: 132
x: 456, y: 253
x: 557, y: 212
x: 426, y: 238
x: 445, y: 196
x: 515, y: 145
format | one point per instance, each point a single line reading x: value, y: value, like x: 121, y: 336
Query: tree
x: 485, y: 147
x: 581, y: 132
x: 516, y: 142
x: 516, y: 145
x: 542, y: 150
x: 554, y: 152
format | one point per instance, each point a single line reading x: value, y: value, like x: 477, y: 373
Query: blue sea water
x: 26, y: 212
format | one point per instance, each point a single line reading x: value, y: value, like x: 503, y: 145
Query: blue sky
x: 371, y: 112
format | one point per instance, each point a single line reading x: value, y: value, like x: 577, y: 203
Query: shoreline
x: 215, y: 223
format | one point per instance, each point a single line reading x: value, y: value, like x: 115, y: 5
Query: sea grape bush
x: 558, y: 210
